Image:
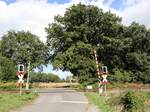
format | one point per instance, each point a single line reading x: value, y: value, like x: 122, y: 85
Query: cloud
x: 138, y: 11
x: 34, y: 15
x: 61, y: 74
x: 31, y: 15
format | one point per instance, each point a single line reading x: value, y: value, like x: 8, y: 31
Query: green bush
x: 132, y: 102
x: 7, y: 70
x: 120, y: 76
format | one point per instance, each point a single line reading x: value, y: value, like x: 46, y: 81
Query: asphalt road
x: 59, y: 100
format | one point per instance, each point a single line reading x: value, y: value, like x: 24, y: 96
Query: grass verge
x: 99, y: 101
x: 13, y: 101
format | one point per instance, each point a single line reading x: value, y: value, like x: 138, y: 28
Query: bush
x: 7, y: 70
x: 120, y: 76
x: 132, y: 102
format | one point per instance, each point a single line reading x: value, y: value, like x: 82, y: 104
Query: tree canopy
x: 23, y: 47
x: 72, y: 37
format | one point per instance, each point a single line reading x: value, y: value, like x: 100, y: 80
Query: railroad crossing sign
x: 20, y: 78
x: 104, y: 81
x: 20, y: 73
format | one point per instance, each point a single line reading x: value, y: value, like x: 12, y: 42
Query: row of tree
x: 71, y: 40
x: 43, y: 77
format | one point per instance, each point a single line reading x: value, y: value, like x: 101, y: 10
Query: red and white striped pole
x: 97, y: 63
x: 98, y: 71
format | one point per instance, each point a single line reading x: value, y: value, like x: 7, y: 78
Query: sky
x: 35, y: 15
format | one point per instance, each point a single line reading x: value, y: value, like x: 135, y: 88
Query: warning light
x: 20, y: 68
x: 104, y: 69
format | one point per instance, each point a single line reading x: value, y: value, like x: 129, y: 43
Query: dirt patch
x: 53, y: 85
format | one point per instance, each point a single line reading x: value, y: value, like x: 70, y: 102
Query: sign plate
x: 104, y: 81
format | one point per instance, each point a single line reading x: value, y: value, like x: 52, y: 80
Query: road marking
x: 79, y: 102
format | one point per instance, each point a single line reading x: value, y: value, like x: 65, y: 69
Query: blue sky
x: 49, y: 69
x: 58, y: 1
x: 50, y: 1
x: 117, y: 4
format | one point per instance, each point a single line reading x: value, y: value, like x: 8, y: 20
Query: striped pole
x: 97, y: 63
x: 98, y: 71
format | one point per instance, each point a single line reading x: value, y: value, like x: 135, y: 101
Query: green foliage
x: 7, y: 69
x: 43, y: 77
x: 73, y: 36
x: 120, y: 76
x: 129, y: 101
x: 70, y: 42
x: 13, y: 101
x: 23, y: 47
x: 132, y: 102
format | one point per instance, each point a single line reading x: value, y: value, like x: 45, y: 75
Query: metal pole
x: 28, y: 76
x: 105, y: 88
x: 20, y: 89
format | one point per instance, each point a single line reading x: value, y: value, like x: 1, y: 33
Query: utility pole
x: 28, y: 77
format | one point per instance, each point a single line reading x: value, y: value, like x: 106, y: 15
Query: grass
x: 128, y: 86
x: 99, y: 101
x: 115, y: 101
x: 8, y: 86
x: 112, y: 103
x: 13, y: 101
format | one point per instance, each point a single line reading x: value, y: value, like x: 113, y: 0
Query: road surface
x: 59, y: 100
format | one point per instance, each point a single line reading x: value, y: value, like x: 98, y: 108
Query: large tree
x: 72, y: 37
x: 137, y: 58
x: 23, y: 47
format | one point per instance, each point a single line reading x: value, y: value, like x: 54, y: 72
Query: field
x: 13, y: 101
x: 13, y: 86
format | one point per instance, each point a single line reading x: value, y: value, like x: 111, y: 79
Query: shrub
x: 120, y: 76
x: 132, y: 102
x: 7, y: 70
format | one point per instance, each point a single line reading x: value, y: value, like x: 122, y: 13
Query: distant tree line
x: 71, y: 39
x: 43, y: 77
